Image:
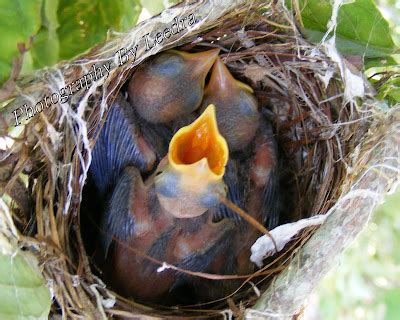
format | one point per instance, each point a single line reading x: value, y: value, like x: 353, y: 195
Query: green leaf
x: 19, y: 20
x: 27, y: 64
x: 391, y: 299
x: 156, y: 6
x: 390, y: 90
x: 50, y: 14
x: 153, y: 7
x: 46, y: 47
x: 361, y: 28
x: 23, y: 292
x: 380, y: 62
x: 84, y: 23
x: 131, y: 11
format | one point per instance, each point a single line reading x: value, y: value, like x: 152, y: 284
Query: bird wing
x: 262, y: 168
x: 120, y: 143
x: 270, y: 192
x: 270, y: 201
x: 237, y: 184
x: 158, y: 136
x: 117, y: 220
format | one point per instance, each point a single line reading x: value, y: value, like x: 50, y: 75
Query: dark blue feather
x: 236, y: 191
x: 270, y: 195
x: 117, y: 146
x: 117, y: 219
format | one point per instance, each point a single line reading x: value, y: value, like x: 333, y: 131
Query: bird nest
x: 338, y: 153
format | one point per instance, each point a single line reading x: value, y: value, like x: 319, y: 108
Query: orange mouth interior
x: 200, y: 140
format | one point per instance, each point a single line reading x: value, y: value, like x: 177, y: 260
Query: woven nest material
x: 340, y: 155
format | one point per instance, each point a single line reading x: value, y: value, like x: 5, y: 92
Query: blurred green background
x: 366, y: 284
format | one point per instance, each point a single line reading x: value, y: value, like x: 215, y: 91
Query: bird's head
x: 170, y: 85
x: 236, y: 107
x: 192, y: 180
x: 222, y: 82
x: 197, y: 64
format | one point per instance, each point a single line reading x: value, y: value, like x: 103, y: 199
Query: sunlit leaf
x: 153, y: 7
x: 50, y: 14
x: 131, y: 12
x: 391, y: 90
x: 361, y: 28
x: 156, y: 6
x: 84, y: 23
x: 46, y: 47
x: 380, y: 62
x: 19, y: 20
x: 392, y: 306
x: 23, y: 292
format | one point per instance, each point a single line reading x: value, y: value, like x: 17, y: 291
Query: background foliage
x: 366, y: 285
x: 47, y: 31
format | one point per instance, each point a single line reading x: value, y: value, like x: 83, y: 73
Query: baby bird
x: 237, y: 108
x: 163, y: 194
x: 171, y: 84
x: 162, y: 217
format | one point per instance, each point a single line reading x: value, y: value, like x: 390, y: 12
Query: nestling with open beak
x: 147, y: 215
x: 164, y: 206
x: 196, y: 164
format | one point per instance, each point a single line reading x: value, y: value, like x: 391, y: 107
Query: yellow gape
x: 192, y: 182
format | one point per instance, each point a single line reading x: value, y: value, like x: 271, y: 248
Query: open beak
x: 200, y: 62
x: 223, y: 82
x: 192, y: 181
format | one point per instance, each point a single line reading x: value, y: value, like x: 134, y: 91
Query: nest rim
x: 318, y: 130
